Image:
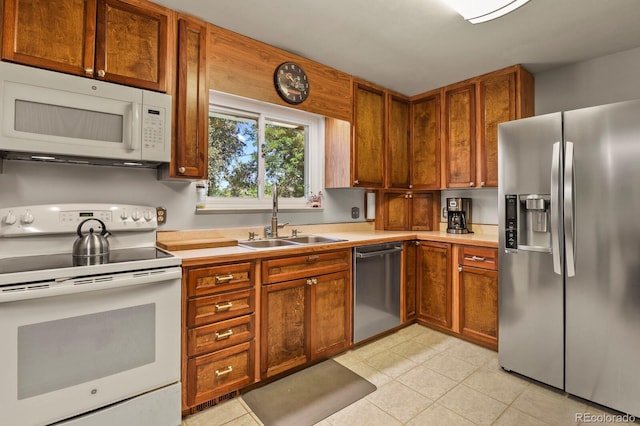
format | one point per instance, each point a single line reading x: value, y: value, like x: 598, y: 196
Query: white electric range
x: 87, y: 343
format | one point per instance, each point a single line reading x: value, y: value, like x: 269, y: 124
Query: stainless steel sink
x: 270, y: 243
x: 287, y: 241
x: 313, y: 239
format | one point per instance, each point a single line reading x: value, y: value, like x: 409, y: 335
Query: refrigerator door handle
x: 555, y: 209
x: 569, y: 209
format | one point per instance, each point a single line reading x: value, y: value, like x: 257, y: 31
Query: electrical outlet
x: 161, y: 215
x: 355, y: 212
x: 444, y: 213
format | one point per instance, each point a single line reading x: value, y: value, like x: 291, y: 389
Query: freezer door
x: 603, y: 298
x: 531, y: 294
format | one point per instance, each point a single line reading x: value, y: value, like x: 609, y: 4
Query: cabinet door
x: 284, y: 329
x: 191, y: 138
x: 330, y: 312
x: 131, y: 44
x: 460, y: 137
x: 425, y: 146
x: 479, y: 305
x: 399, y: 143
x: 434, y: 284
x: 57, y: 35
x: 410, y: 253
x: 369, y: 131
x: 397, y: 211
x: 423, y: 211
x: 496, y: 105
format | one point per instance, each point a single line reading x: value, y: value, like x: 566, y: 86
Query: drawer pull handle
x: 313, y: 258
x: 224, y: 372
x: 225, y: 335
x: 224, y: 307
x: 223, y: 279
x: 476, y: 258
x: 312, y: 281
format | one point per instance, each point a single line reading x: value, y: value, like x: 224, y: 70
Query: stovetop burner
x: 66, y: 260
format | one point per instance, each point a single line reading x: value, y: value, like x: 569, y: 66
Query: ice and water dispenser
x: 528, y: 222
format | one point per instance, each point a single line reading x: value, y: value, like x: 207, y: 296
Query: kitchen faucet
x: 272, y: 231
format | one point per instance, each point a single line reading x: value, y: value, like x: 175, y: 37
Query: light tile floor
x: 429, y: 378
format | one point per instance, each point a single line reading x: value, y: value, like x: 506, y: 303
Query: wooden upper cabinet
x: 460, y: 136
x: 502, y: 96
x: 110, y: 40
x: 131, y: 44
x: 190, y: 144
x: 425, y: 142
x: 399, y: 148
x: 369, y: 136
x: 472, y: 111
x: 58, y: 35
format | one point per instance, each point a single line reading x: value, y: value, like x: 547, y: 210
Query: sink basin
x: 266, y: 243
x: 313, y: 239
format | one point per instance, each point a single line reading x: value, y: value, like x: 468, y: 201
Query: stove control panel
x: 65, y: 218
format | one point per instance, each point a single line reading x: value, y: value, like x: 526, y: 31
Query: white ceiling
x: 412, y: 46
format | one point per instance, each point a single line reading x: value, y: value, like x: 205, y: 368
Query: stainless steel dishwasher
x: 376, y: 301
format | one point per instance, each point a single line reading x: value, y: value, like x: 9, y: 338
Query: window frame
x: 314, y: 153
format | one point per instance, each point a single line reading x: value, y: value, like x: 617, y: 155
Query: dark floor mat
x: 308, y: 396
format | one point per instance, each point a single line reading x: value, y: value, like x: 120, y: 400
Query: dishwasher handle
x: 377, y: 253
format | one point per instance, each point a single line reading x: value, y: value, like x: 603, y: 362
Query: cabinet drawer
x: 219, y: 373
x: 479, y: 257
x: 210, y: 309
x: 216, y: 279
x: 220, y: 335
x: 289, y: 268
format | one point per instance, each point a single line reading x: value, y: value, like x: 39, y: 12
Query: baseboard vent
x: 213, y: 402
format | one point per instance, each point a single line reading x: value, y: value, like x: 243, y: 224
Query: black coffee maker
x: 459, y: 215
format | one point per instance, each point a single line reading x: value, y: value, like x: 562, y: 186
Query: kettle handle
x: 104, y: 232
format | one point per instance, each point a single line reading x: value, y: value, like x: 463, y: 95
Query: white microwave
x: 50, y: 116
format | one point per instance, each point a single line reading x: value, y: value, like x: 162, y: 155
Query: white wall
x: 26, y: 183
x: 603, y: 80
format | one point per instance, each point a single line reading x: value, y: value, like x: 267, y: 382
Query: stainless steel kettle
x: 91, y: 248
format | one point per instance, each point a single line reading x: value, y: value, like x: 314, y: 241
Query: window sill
x: 232, y: 209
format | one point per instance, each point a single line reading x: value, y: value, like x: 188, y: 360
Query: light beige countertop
x: 354, y: 234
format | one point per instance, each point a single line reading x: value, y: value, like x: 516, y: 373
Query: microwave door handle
x: 132, y: 137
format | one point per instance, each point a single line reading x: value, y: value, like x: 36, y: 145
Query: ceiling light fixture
x: 477, y: 11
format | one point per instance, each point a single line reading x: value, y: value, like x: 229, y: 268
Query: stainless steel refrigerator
x: 569, y: 220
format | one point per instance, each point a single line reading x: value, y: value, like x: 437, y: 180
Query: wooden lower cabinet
x: 435, y: 297
x: 478, y: 300
x: 330, y: 314
x: 219, y: 372
x: 303, y: 320
x: 284, y: 331
x: 410, y: 257
x: 307, y: 318
x: 219, y: 331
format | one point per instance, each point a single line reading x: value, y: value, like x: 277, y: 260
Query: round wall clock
x: 291, y: 82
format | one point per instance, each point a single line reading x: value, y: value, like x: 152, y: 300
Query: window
x: 253, y: 145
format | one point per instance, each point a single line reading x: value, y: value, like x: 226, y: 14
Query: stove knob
x: 10, y: 218
x: 148, y: 215
x: 124, y: 215
x: 135, y: 216
x: 27, y: 217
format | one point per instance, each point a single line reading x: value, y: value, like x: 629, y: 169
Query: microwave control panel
x: 153, y: 122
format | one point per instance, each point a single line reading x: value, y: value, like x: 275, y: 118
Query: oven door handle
x: 71, y: 285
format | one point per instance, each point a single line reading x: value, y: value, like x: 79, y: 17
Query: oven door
x: 66, y: 355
